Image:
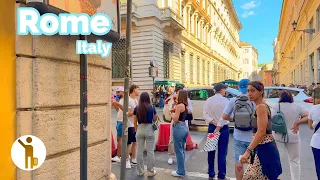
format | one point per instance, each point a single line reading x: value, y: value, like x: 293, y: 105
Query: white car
x: 271, y: 95
x: 198, y: 96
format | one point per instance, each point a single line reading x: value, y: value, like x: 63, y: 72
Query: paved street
x: 196, y: 160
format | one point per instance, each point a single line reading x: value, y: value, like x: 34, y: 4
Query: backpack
x: 243, y: 111
x: 278, y: 122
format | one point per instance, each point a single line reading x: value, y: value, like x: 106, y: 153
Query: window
x: 300, y: 41
x: 118, y: 58
x: 265, y: 95
x: 191, y: 68
x: 246, y: 61
x: 275, y: 93
x: 311, y: 27
x: 200, y: 94
x: 246, y: 51
x: 294, y: 93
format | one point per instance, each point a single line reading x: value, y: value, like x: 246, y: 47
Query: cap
x: 219, y: 86
x: 120, y: 89
x: 243, y: 85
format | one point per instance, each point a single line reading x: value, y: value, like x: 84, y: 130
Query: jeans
x: 180, y: 134
x: 316, y: 155
x: 293, y: 153
x: 145, y: 135
x: 240, y: 148
x: 222, y: 153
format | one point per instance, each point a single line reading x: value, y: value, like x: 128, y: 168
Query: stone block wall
x: 48, y: 106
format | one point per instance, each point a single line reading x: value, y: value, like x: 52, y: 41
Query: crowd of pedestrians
x: 260, y: 129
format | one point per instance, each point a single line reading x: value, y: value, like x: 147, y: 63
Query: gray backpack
x: 243, y: 111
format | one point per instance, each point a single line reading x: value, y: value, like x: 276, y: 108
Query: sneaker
x: 128, y: 164
x: 134, y: 161
x: 170, y: 161
x: 152, y: 173
x: 116, y: 159
x: 175, y: 174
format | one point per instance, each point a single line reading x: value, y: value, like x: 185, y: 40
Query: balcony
x: 171, y: 18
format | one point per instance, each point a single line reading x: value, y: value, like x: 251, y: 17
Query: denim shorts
x: 119, y: 128
x: 240, y: 148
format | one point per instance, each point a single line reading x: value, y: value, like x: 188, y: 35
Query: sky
x: 260, y: 22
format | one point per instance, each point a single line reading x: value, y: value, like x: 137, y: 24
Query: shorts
x: 240, y: 148
x: 131, y: 135
x: 119, y: 128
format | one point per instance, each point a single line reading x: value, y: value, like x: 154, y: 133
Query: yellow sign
x: 28, y: 153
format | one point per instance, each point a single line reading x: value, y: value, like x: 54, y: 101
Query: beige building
x: 300, y: 49
x: 195, y: 42
x: 41, y: 96
x: 249, y: 61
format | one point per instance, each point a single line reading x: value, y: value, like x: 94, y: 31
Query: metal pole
x: 153, y: 91
x: 83, y: 114
x: 126, y: 92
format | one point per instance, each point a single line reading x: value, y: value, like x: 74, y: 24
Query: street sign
x: 153, y: 71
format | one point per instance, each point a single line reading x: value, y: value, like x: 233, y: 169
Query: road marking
x: 190, y: 174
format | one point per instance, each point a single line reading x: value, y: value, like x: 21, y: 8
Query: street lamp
x: 153, y: 72
x: 282, y: 55
x: 294, y: 26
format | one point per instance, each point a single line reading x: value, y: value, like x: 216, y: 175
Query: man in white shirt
x: 119, y: 91
x: 314, y: 124
x: 134, y: 92
x: 212, y: 111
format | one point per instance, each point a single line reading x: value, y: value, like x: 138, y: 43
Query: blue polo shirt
x: 149, y: 113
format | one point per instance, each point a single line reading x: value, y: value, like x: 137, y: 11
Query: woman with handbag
x: 263, y: 153
x: 145, y: 117
x: 180, y: 132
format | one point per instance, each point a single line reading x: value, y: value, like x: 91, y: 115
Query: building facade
x: 276, y: 74
x: 300, y: 50
x: 249, y: 61
x: 192, y: 41
x: 266, y: 74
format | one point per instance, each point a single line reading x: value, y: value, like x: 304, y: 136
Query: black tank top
x: 183, y: 115
x: 255, y: 123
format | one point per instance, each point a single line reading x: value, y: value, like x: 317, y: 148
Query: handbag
x: 211, y: 142
x: 155, y: 124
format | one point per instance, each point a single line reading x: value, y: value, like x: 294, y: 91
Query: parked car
x: 271, y: 95
x: 197, y: 98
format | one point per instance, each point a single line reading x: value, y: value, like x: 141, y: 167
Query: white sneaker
x: 128, y: 164
x: 116, y: 159
x: 174, y: 174
x: 170, y: 161
x: 152, y: 173
x: 134, y: 161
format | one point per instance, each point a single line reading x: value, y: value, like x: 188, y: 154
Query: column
x: 195, y: 24
x: 188, y: 12
x: 192, y: 25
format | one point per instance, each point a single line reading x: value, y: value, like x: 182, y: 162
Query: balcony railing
x: 167, y: 13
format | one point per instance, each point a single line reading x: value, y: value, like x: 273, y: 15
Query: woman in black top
x: 144, y: 115
x: 180, y: 132
x: 262, y: 151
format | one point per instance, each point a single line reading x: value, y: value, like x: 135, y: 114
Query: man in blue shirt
x: 242, y: 139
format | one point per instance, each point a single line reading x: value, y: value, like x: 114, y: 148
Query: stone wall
x: 48, y: 102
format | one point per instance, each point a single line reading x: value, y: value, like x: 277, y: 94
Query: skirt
x: 272, y: 169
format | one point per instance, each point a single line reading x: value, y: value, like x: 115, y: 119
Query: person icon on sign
x: 29, y: 154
